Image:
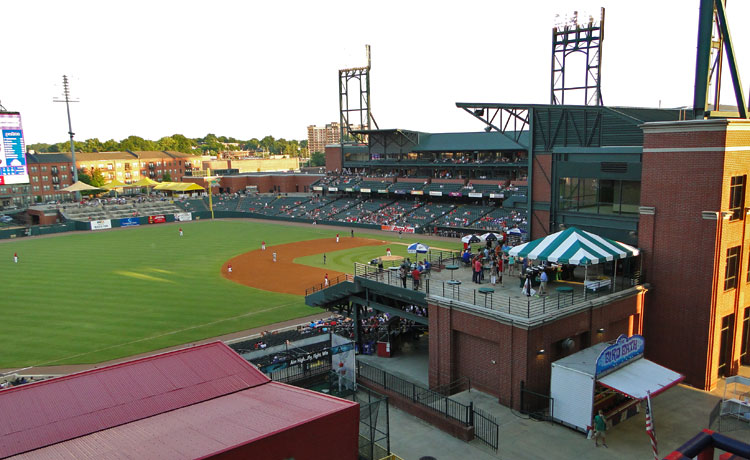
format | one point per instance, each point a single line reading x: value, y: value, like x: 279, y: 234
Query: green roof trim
x: 463, y: 142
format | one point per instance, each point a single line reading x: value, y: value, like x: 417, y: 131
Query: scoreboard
x: 13, y: 167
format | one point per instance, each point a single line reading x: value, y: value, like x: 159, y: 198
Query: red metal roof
x: 202, y: 429
x: 49, y: 412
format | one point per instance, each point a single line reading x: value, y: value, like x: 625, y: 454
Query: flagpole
x: 650, y: 426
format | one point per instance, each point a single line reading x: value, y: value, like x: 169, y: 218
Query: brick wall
x: 686, y: 170
x: 334, y: 159
x: 542, y: 177
x: 496, y: 356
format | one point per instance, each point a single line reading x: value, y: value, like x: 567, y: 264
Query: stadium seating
x: 427, y: 213
x: 462, y: 216
x: 362, y: 212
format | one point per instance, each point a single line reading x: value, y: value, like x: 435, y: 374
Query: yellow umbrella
x: 114, y: 184
x: 145, y: 182
x: 79, y: 186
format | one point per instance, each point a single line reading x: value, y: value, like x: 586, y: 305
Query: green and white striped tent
x: 574, y: 246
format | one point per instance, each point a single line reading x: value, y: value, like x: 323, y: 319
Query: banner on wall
x: 475, y: 195
x: 130, y: 222
x: 101, y: 224
x: 342, y: 351
x: 183, y: 216
x: 397, y: 228
x: 159, y: 219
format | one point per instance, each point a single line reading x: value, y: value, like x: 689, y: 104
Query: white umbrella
x: 516, y: 231
x: 417, y: 248
x: 470, y: 239
x: 490, y: 236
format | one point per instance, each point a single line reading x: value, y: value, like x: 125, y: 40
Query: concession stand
x: 611, y: 376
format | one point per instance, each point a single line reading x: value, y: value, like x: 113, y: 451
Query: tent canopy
x: 114, y: 184
x: 417, y: 248
x: 78, y: 187
x: 178, y: 186
x: 574, y: 246
x: 640, y: 377
x: 145, y: 182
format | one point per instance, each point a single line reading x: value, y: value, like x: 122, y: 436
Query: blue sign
x: 623, y: 350
x: 130, y: 222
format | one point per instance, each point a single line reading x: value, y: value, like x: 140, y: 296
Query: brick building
x: 129, y: 167
x: 693, y: 232
x: 319, y: 137
x: 48, y: 173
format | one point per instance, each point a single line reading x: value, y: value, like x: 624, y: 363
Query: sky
x: 253, y: 68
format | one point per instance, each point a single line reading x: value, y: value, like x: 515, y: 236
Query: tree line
x: 208, y: 145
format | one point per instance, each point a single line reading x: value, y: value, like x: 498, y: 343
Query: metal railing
x: 417, y: 394
x: 486, y: 428
x: 524, y: 307
x: 331, y: 282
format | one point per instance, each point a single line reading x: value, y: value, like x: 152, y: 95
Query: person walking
x: 543, y: 283
x: 180, y: 231
x: 324, y: 258
x: 415, y: 278
x: 500, y: 267
x: 511, y: 263
x: 600, y: 429
x: 325, y: 281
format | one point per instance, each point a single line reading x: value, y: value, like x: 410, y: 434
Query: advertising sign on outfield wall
x: 160, y: 219
x: 397, y: 228
x: 434, y: 193
x: 130, y: 222
x: 475, y: 195
x: 101, y: 224
x: 183, y: 216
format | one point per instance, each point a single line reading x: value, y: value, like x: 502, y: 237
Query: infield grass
x: 89, y: 297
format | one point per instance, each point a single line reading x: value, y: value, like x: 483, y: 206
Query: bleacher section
x: 226, y: 203
x: 392, y: 214
x: 428, y: 213
x: 445, y: 189
x: 254, y: 203
x: 362, y: 211
x: 311, y: 209
x: 283, y: 206
x: 102, y: 211
x: 373, y: 185
x: 462, y: 216
x: 501, y: 218
x: 405, y: 187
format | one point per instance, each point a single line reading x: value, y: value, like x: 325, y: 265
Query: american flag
x: 650, y: 426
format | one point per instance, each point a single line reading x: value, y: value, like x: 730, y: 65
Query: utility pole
x: 67, y: 100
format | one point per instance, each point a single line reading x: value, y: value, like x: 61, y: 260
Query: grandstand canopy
x: 178, y: 186
x: 466, y: 142
x: 574, y: 246
x: 191, y: 403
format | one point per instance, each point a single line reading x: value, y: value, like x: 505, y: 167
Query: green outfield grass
x: 95, y: 296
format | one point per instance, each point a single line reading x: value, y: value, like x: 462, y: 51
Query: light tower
x: 577, y: 36
x: 68, y: 100
x: 348, y: 109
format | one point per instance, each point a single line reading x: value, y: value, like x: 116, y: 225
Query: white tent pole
x: 614, y: 277
x: 585, y: 277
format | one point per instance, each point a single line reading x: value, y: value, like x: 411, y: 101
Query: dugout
x: 610, y: 376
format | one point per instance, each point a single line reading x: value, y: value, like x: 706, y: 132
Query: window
x: 33, y: 169
x: 46, y: 188
x: 45, y: 178
x: 599, y: 196
x: 64, y: 177
x: 730, y: 274
x: 35, y: 178
x: 737, y: 197
x: 44, y: 168
x: 36, y: 188
x: 63, y: 168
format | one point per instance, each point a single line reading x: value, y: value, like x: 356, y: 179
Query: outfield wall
x: 72, y: 225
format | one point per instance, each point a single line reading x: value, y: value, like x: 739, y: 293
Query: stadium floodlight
x: 67, y: 100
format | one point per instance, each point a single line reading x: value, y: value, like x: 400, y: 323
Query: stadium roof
x: 460, y: 142
x: 48, y: 158
x: 56, y: 410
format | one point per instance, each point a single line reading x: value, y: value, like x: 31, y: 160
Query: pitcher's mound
x: 388, y: 258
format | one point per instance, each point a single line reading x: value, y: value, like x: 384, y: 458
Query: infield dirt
x: 258, y: 270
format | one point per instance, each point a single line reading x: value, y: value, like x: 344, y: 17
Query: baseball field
x: 89, y: 297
